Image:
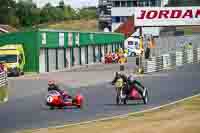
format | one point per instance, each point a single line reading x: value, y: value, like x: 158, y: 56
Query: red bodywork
x: 134, y: 95
x: 54, y: 99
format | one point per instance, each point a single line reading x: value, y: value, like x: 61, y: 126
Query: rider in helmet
x: 119, y: 75
x: 132, y: 82
x: 52, y: 86
x: 124, y: 78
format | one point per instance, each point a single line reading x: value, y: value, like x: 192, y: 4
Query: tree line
x: 26, y: 13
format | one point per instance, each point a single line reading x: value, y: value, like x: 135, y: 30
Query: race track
x: 26, y: 108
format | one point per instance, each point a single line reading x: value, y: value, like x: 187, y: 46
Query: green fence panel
x: 29, y: 40
x: 52, y: 39
x: 33, y: 40
x: 85, y: 39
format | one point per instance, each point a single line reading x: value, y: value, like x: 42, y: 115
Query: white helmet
x: 131, y: 78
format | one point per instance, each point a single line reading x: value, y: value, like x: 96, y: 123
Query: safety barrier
x: 3, y: 87
x: 3, y: 79
x: 172, y: 59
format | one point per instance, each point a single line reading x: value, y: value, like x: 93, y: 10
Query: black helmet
x: 117, y: 74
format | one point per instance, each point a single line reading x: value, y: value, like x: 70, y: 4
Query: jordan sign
x: 167, y: 16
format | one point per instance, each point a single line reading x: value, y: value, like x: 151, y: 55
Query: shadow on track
x: 128, y: 104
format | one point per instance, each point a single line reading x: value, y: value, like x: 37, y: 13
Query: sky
x: 73, y: 3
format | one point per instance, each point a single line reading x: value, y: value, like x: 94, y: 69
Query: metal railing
x: 3, y: 79
x: 172, y: 60
x: 3, y: 87
x: 166, y: 43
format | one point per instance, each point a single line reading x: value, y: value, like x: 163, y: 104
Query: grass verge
x: 76, y: 25
x: 177, y: 118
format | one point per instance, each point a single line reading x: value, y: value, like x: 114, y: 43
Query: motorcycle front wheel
x: 146, y: 98
x: 117, y: 99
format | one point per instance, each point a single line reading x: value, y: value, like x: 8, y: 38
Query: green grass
x: 90, y: 25
x: 76, y: 25
x: 72, y: 25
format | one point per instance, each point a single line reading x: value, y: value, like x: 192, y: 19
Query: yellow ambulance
x: 12, y: 56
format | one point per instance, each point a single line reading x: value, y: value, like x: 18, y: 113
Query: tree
x: 28, y: 13
x: 13, y: 20
x: 50, y: 13
x: 88, y: 13
x: 25, y: 13
x: 45, y: 15
x: 67, y: 11
x: 7, y: 10
x: 61, y: 4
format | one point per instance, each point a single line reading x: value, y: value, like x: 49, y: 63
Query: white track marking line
x: 120, y: 116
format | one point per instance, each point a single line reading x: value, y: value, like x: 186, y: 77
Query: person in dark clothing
x: 52, y: 86
x: 133, y: 83
x: 147, y: 53
x: 119, y: 75
x: 1, y: 67
x: 124, y: 78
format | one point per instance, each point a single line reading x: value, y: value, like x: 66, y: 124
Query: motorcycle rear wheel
x: 51, y: 107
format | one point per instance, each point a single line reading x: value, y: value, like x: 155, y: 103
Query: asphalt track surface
x: 25, y: 108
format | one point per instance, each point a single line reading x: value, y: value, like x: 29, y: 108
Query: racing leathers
x: 125, y: 81
x: 124, y: 77
x: 56, y: 88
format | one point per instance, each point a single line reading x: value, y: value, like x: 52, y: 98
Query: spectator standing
x: 1, y: 66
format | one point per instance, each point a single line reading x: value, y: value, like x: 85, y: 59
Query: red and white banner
x: 167, y: 16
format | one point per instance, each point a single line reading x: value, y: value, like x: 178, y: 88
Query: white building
x: 122, y: 9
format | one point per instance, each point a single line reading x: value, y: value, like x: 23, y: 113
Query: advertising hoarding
x: 167, y: 16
